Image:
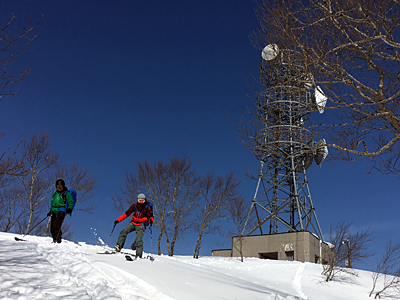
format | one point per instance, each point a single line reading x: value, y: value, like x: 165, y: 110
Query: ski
x: 129, y: 258
x: 20, y: 240
x: 109, y: 250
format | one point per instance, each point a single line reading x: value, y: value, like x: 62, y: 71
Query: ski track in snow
x: 162, y: 282
x: 38, y: 269
x: 296, y: 283
x: 27, y: 283
x: 99, y: 279
x: 67, y: 274
x: 249, y: 281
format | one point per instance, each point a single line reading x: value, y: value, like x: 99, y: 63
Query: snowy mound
x: 38, y: 269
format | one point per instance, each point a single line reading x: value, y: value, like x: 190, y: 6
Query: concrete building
x: 299, y: 246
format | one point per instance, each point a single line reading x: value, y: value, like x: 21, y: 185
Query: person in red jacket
x: 142, y: 213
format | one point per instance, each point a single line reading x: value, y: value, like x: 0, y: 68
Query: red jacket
x: 141, y: 214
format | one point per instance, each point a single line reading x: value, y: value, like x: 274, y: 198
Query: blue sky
x: 119, y: 82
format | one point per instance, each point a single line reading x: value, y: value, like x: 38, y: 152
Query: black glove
x: 69, y: 210
x: 116, y: 222
x: 49, y: 214
x: 151, y: 221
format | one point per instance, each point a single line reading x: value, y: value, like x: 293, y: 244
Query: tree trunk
x: 173, y: 243
x: 195, y: 255
x: 31, y: 205
x: 328, y: 277
x: 195, y: 251
x: 241, y: 247
x: 7, y: 228
x: 28, y: 228
x: 172, y: 248
x: 168, y: 244
x: 162, y: 229
x: 47, y: 227
x: 159, y: 243
x: 159, y: 238
x: 198, y: 244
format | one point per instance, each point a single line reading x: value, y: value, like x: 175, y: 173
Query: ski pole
x: 110, y: 234
x: 18, y: 239
x: 36, y: 225
x: 151, y: 242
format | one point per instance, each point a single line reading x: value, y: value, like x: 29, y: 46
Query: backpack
x: 148, y: 204
x: 74, y: 196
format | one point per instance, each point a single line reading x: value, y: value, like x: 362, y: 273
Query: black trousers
x: 57, y: 220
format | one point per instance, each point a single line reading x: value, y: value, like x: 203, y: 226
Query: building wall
x: 300, y: 246
x: 222, y: 252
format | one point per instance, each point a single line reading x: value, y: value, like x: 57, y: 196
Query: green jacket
x: 58, y: 203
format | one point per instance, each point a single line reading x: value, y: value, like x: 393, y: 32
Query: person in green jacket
x: 61, y: 203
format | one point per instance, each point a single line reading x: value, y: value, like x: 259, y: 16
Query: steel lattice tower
x: 282, y: 200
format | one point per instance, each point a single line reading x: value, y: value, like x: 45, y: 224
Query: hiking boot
x: 118, y: 248
x: 133, y: 246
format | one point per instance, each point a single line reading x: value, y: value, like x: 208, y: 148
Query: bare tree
x: 37, y: 181
x: 37, y: 227
x: 78, y: 179
x: 172, y: 187
x: 216, y: 193
x: 39, y: 161
x: 347, y: 248
x: 151, y: 181
x: 238, y: 210
x: 156, y: 182
x: 182, y: 194
x: 388, y: 267
x: 12, y: 165
x: 350, y: 52
x: 13, y: 42
x: 13, y: 206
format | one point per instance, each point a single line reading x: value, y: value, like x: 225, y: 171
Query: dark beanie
x: 60, y: 182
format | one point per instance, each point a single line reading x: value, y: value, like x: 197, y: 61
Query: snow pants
x: 139, y: 237
x: 57, y: 220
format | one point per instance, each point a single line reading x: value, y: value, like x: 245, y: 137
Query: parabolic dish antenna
x: 308, y: 80
x: 321, y: 152
x: 270, y: 52
x: 303, y: 162
x: 320, y: 99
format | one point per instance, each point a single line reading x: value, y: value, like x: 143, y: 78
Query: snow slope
x: 39, y: 269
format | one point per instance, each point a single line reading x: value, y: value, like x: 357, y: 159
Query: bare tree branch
x: 347, y: 248
x: 78, y: 179
x: 388, y: 267
x: 39, y: 159
x: 351, y: 50
x: 216, y: 194
x: 173, y: 188
x: 238, y: 209
x: 13, y: 207
x: 12, y: 44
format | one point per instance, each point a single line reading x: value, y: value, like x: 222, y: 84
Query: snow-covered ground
x: 39, y: 269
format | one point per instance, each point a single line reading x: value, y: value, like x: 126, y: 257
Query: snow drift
x: 39, y: 269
